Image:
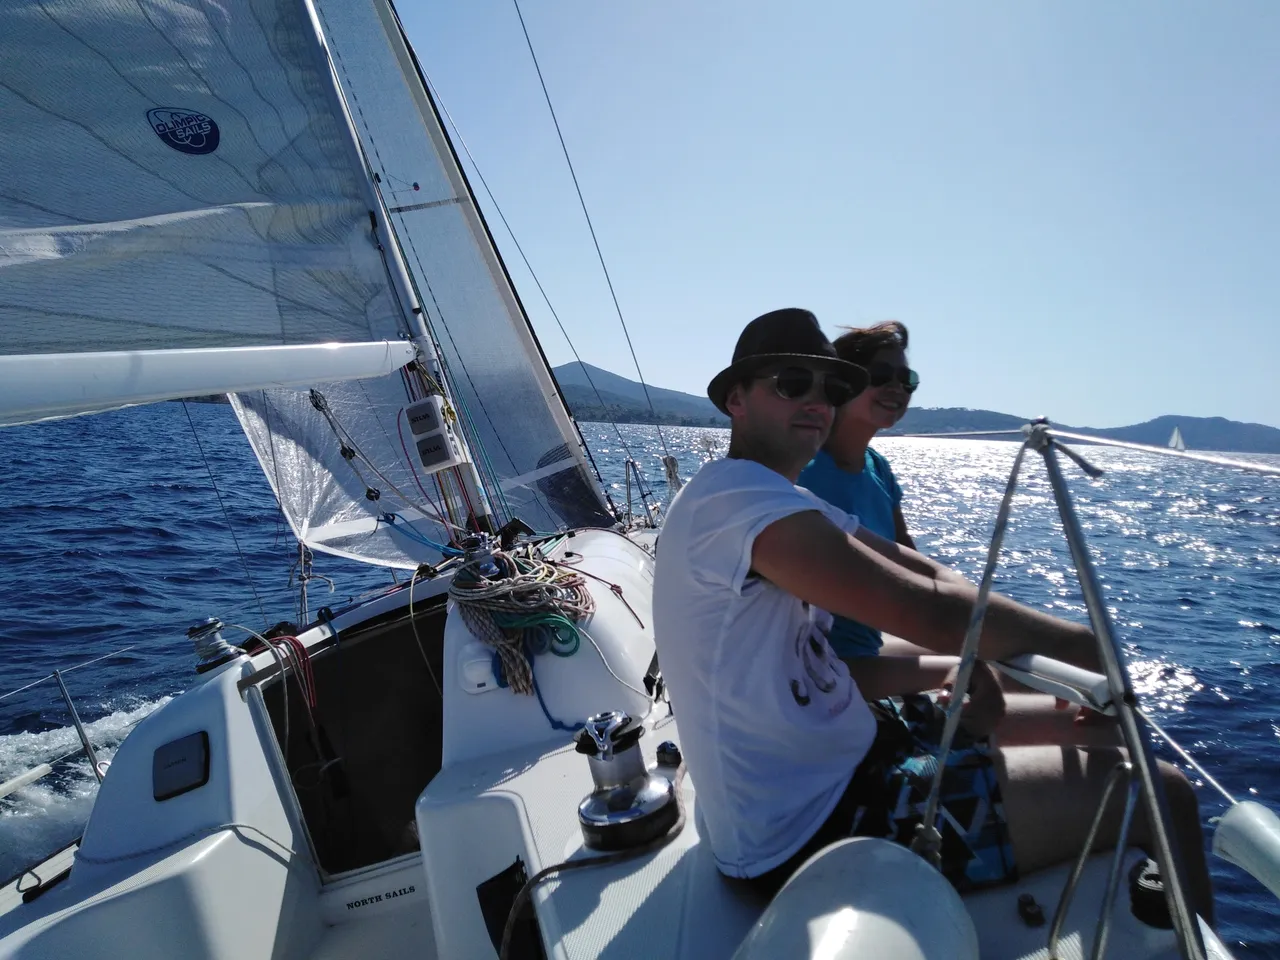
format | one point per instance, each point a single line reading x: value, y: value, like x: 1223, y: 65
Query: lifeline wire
x: 928, y: 841
x: 227, y: 519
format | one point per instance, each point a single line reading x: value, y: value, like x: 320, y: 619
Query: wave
x: 51, y: 812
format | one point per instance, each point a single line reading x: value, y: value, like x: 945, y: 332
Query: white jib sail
x: 526, y: 449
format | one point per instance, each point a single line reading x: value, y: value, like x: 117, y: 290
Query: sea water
x: 112, y: 536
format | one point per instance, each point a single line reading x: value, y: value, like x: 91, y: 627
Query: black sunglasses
x: 880, y: 373
x: 796, y: 383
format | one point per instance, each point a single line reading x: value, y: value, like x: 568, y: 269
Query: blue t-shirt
x: 871, y: 496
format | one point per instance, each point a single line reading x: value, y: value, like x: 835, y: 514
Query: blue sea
x: 112, y: 536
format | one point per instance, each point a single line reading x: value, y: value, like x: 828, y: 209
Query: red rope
x: 306, y: 678
x: 414, y: 470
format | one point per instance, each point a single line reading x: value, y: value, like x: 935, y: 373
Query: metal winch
x: 630, y: 805
x: 211, y: 649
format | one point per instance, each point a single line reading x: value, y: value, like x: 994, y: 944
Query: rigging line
x: 345, y: 439
x: 1186, y: 756
x: 33, y: 683
x: 582, y: 201
x: 275, y: 462
x: 1169, y: 452
x: 491, y: 244
x: 538, y: 283
x: 418, y: 639
x: 394, y: 238
x: 1262, y: 468
x: 105, y: 656
x: 226, y: 518
x: 386, y: 435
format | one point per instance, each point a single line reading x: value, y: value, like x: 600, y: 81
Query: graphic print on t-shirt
x: 819, y: 670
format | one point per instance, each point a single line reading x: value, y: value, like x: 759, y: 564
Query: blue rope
x: 406, y: 530
x: 502, y: 682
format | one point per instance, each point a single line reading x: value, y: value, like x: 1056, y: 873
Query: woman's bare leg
x: 1034, y: 718
x: 1051, y: 795
x: 1029, y: 717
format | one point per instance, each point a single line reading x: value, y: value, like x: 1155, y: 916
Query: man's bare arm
x: 879, y: 677
x: 809, y: 557
x: 908, y: 557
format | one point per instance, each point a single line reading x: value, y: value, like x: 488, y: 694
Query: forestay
x: 176, y: 174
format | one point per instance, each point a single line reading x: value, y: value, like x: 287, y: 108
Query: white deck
x: 11, y: 893
x: 401, y: 934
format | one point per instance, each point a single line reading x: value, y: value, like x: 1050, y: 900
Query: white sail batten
x: 47, y: 386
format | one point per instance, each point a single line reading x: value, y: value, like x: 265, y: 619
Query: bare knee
x: 1184, y: 812
x: 1180, y: 794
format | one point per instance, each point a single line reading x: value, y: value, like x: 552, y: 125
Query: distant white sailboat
x: 1175, y: 440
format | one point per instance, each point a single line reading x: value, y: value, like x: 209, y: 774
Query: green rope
x: 543, y: 632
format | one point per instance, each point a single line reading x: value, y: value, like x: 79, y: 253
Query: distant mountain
x: 1202, y: 433
x: 617, y: 398
x: 954, y: 420
x: 623, y: 400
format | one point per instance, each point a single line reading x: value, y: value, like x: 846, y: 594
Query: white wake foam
x: 47, y: 814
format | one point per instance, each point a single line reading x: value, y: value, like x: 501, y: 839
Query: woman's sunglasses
x: 796, y: 383
x: 880, y: 373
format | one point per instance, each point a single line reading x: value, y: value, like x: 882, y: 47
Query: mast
x: 434, y: 124
x: 393, y: 255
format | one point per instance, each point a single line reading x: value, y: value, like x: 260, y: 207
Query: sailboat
x: 1175, y: 440
x: 258, y: 198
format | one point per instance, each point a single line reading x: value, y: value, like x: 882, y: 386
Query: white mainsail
x: 1175, y: 440
x: 187, y: 183
x: 527, y: 451
x: 196, y: 189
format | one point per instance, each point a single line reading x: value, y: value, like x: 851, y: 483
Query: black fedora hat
x: 790, y: 335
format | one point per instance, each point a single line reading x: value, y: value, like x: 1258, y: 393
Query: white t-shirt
x: 771, y: 724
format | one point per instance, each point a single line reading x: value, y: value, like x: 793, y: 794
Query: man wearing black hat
x: 776, y: 732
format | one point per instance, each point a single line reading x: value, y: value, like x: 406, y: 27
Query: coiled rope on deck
x: 522, y: 605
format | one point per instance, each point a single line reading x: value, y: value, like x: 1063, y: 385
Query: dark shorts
x: 890, y: 788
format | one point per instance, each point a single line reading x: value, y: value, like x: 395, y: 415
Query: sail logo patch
x: 187, y: 131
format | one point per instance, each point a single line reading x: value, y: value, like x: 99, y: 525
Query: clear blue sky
x: 1075, y: 207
